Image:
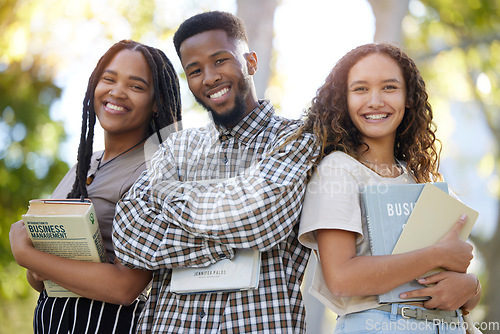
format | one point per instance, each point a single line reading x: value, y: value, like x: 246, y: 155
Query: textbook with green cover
x: 67, y: 228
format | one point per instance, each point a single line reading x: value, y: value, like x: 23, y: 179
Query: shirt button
x: 201, y: 314
x: 222, y: 256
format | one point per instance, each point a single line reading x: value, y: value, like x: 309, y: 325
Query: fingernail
x: 403, y: 295
x: 421, y: 280
x: 463, y: 216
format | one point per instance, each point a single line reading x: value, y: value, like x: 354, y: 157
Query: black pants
x: 82, y: 315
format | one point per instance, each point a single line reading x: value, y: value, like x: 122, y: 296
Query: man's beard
x: 233, y: 116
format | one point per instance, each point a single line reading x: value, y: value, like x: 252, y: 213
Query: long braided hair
x: 166, y: 96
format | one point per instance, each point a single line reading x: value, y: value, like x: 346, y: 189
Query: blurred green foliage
x: 29, y: 165
x: 457, y: 44
x: 457, y: 47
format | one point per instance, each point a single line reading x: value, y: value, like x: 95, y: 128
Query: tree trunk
x: 388, y: 17
x: 258, y: 16
x: 491, y: 295
x: 489, y: 248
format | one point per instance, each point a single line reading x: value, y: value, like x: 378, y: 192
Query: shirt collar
x: 248, y: 127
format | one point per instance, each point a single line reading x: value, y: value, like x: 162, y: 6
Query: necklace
x: 99, y: 166
x: 388, y: 168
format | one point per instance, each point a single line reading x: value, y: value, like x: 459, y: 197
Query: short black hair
x: 214, y: 20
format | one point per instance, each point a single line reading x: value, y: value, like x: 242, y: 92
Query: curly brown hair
x: 328, y: 117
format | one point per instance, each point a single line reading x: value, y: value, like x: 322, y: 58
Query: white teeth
x: 219, y: 93
x: 377, y: 116
x: 115, y: 107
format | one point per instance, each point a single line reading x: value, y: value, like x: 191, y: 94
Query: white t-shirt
x: 333, y: 201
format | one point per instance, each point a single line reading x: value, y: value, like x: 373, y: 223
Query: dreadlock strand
x: 166, y: 96
x: 81, y: 148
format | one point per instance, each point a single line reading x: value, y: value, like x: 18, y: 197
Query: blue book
x: 387, y: 209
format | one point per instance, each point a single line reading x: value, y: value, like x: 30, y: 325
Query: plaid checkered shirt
x: 169, y: 220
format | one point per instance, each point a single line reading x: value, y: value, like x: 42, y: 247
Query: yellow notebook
x: 433, y: 216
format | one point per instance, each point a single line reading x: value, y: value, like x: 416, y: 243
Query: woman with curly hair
x: 374, y: 125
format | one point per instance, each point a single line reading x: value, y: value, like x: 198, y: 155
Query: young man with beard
x: 173, y: 217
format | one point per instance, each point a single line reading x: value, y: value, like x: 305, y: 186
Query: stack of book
x: 407, y: 217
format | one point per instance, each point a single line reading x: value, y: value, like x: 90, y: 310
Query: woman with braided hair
x: 133, y: 92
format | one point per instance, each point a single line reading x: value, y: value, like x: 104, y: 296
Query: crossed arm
x: 164, y: 222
